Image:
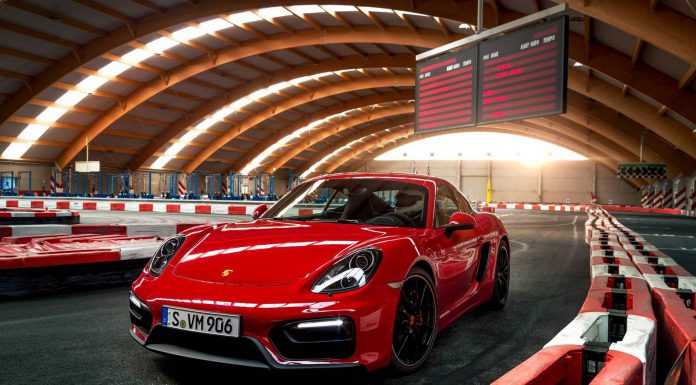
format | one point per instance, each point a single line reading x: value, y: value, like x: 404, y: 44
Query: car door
x: 456, y: 259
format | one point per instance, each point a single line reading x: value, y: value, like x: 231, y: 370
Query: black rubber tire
x: 397, y: 365
x: 501, y: 290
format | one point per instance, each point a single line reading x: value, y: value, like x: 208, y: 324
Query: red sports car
x: 347, y: 270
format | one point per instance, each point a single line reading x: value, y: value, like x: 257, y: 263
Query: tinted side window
x: 463, y: 204
x: 445, y: 205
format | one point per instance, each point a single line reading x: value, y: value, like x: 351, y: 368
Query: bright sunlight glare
x: 481, y: 146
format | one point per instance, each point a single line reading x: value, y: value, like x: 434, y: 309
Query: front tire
x: 415, y: 325
x: 501, y: 279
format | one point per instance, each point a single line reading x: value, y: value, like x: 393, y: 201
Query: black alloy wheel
x: 415, y: 325
x: 501, y: 278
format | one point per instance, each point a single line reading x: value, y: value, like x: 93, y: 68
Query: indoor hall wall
x: 40, y: 175
x: 513, y: 181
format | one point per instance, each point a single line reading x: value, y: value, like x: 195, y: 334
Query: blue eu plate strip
x: 165, y: 315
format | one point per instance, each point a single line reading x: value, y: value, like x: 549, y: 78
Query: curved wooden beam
x: 334, y: 35
x: 664, y: 28
x: 297, y: 100
x: 603, y: 119
x: 318, y: 136
x: 466, y: 12
x: 239, y: 91
x: 324, y: 113
x: 360, y: 135
x: 635, y: 109
x: 639, y: 76
x: 544, y: 135
x: 610, y: 138
x: 617, y: 137
x: 525, y: 128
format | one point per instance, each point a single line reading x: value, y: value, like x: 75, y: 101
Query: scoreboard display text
x: 516, y: 76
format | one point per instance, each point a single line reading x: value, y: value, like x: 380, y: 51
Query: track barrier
x: 641, y: 308
x: 149, y: 205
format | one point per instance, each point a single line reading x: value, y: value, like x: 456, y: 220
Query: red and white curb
x: 135, y: 206
x: 160, y: 230
x: 537, y: 207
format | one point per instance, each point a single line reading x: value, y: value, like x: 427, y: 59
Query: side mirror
x: 459, y: 221
x: 258, y: 211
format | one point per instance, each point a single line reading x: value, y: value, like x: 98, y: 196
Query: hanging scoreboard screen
x: 445, y: 91
x: 524, y: 74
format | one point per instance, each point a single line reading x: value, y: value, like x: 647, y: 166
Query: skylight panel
x: 215, y: 25
x: 15, y: 150
x: 273, y: 12
x: 188, y: 33
x: 304, y: 9
x: 161, y: 44
x: 174, y: 149
x: 51, y: 114
x: 33, y: 131
x: 136, y: 56
x: 205, y: 124
x: 161, y: 161
x: 243, y: 17
x: 189, y: 136
x: 71, y: 98
x: 340, y: 8
x: 113, y: 69
x: 91, y: 83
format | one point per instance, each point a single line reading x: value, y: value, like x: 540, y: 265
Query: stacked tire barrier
x: 613, y: 339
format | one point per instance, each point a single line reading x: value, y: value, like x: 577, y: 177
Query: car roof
x: 383, y: 175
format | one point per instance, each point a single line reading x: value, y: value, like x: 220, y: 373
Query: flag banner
x: 641, y: 170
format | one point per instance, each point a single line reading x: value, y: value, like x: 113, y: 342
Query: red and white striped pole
x: 225, y: 190
x: 645, y: 197
x: 654, y: 196
x: 667, y: 195
x: 181, y: 185
x: 680, y: 196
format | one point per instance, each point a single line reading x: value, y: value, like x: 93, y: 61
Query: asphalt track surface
x: 673, y: 235
x: 82, y: 336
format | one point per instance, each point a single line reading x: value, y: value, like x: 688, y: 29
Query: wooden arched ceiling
x: 667, y: 29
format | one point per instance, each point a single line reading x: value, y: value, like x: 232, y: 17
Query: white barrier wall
x: 552, y: 182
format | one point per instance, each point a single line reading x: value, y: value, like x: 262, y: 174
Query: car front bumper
x: 371, y: 310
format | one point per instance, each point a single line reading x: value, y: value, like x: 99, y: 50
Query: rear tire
x: 501, y: 279
x: 415, y: 323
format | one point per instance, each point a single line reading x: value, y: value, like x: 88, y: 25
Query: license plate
x: 195, y: 321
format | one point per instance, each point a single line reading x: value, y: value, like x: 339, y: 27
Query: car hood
x: 268, y: 252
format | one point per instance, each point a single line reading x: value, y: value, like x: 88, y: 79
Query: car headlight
x: 165, y: 253
x: 350, y: 273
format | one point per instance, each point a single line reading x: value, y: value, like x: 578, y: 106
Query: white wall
x: 517, y: 182
x: 511, y: 181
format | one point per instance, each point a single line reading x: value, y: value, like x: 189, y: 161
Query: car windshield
x: 367, y: 201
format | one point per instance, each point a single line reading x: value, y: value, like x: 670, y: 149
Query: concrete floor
x: 82, y: 337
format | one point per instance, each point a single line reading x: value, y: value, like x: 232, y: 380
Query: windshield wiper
x: 354, y: 221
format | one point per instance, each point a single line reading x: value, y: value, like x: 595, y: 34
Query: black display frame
x: 477, y: 97
x: 472, y: 54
